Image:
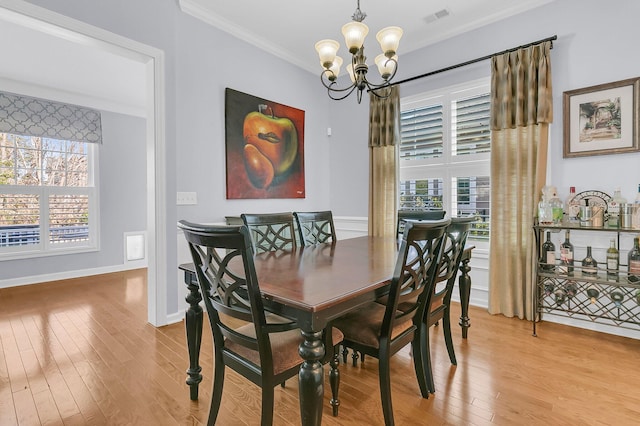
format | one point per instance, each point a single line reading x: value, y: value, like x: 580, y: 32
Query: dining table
x: 312, y: 285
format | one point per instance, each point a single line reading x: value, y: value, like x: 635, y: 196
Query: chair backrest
x: 315, y: 227
x: 456, y: 237
x: 416, y: 266
x: 270, y: 231
x: 404, y: 215
x: 223, y: 261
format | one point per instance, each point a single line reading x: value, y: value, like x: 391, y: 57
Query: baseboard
x: 39, y: 279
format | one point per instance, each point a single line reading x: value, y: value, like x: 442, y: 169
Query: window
x: 444, y: 153
x: 47, y: 196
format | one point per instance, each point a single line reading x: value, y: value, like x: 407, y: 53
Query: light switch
x: 186, y: 199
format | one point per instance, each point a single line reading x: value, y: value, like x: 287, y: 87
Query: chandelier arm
x: 339, y: 98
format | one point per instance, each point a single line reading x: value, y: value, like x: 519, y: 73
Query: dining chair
x: 315, y: 227
x: 270, y: 231
x: 404, y: 215
x: 439, y: 295
x: 257, y: 344
x: 380, y: 330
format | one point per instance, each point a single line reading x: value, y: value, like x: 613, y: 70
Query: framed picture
x: 264, y: 143
x: 601, y: 119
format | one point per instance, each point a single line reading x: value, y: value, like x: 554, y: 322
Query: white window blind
x: 444, y: 153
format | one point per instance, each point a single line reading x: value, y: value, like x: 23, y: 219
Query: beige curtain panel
x: 384, y: 134
x: 521, y: 108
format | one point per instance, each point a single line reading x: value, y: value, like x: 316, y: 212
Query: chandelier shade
x: 354, y: 34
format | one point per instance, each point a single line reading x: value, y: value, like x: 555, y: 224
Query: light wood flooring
x: 80, y: 352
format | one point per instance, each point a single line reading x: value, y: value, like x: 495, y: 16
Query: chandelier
x: 354, y: 33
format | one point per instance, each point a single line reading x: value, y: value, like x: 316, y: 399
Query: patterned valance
x: 23, y: 115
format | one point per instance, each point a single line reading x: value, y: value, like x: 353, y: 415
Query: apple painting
x: 271, y: 146
x: 264, y: 143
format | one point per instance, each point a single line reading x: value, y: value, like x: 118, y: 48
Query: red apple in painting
x: 268, y: 139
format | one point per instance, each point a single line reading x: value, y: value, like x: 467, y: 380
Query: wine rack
x: 608, y: 299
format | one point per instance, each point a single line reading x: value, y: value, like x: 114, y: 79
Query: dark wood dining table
x: 313, y: 285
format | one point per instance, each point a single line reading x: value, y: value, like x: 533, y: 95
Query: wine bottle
x: 548, y: 255
x: 566, y: 255
x: 593, y: 293
x: 560, y: 296
x: 634, y: 261
x: 613, y: 261
x: 589, y: 264
x: 616, y: 296
x: 571, y: 289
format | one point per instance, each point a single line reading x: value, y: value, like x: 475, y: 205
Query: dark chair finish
x: 261, y: 346
x: 315, y: 227
x: 382, y: 330
x: 439, y: 297
x: 270, y: 231
x: 404, y: 215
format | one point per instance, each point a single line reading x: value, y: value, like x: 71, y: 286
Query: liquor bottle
x: 589, y: 264
x: 566, y: 255
x: 634, y: 261
x: 593, y: 293
x: 635, y: 215
x: 572, y: 208
x: 548, y: 255
x: 613, y: 208
x: 613, y: 261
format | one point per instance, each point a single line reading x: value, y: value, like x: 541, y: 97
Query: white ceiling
x: 289, y: 29
x: 46, y: 61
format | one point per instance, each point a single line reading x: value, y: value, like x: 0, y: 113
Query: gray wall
x: 596, y: 45
x: 122, y: 172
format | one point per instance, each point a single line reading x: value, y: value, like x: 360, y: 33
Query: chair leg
x: 354, y: 356
x: 427, y: 361
x: 216, y: 393
x: 334, y: 381
x: 384, y: 374
x: 361, y: 358
x: 446, y: 328
x: 267, y: 406
x: 418, y: 352
x: 345, y: 352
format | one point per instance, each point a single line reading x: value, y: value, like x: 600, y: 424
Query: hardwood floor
x: 80, y: 352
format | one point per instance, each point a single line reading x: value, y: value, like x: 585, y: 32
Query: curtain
x: 27, y: 116
x: 384, y: 134
x: 521, y: 108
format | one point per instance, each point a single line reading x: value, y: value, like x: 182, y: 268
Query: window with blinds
x: 444, y: 153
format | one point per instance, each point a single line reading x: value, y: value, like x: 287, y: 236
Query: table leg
x: 193, y: 324
x: 311, y: 378
x: 464, y: 285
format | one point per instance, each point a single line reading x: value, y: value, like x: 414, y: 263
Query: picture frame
x: 601, y: 119
x: 264, y: 148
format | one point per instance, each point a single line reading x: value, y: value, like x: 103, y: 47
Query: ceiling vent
x: 438, y: 15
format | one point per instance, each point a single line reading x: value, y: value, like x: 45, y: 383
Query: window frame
x: 45, y: 247
x: 447, y: 166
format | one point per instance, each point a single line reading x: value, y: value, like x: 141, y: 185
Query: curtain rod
x: 555, y: 37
